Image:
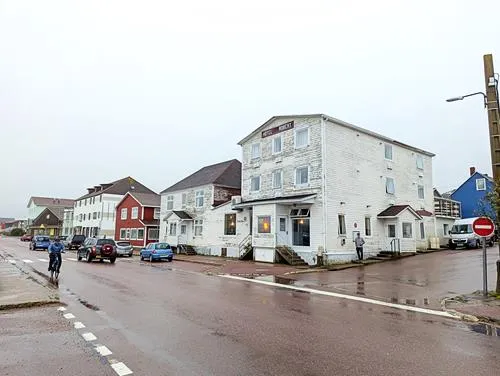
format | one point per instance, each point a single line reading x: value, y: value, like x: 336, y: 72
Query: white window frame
x: 387, y: 179
x: 252, y: 185
x: 308, y: 137
x: 255, y: 151
x: 421, y: 192
x: 422, y: 230
x: 200, y: 195
x: 341, y: 219
x: 403, y: 230
x: 184, y: 200
x: 140, y: 237
x: 478, y: 181
x: 134, y: 213
x: 124, y: 214
x: 123, y: 233
x: 275, y: 180
x: 280, y: 138
x: 172, y: 229
x: 368, y: 229
x: 156, y: 213
x: 308, y: 176
x: 388, y: 148
x: 420, y: 162
x: 198, y: 224
x: 183, y: 229
x: 151, y: 237
x: 133, y: 234
x: 170, y: 202
x: 127, y: 234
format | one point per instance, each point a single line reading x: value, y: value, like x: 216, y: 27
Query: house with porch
x: 311, y: 183
x: 197, y: 216
x: 95, y: 212
x: 446, y: 211
x: 138, y: 218
x: 49, y: 222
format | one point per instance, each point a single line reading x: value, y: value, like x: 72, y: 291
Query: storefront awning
x: 298, y: 199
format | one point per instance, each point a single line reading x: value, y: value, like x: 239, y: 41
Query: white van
x: 461, y: 235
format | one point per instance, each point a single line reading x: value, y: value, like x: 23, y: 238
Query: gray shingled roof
x: 226, y: 174
x: 147, y: 199
x: 120, y: 187
x: 52, y: 202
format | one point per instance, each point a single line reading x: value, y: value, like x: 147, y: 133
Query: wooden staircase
x: 290, y: 256
x: 246, y: 249
x: 186, y: 249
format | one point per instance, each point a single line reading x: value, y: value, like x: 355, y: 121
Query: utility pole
x: 492, y: 105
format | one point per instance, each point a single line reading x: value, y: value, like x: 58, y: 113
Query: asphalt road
x: 162, y: 319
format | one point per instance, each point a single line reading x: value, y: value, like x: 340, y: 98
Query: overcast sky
x: 93, y: 91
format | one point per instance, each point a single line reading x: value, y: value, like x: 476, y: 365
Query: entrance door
x: 282, y: 230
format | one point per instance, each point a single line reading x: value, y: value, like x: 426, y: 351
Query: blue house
x: 472, y: 195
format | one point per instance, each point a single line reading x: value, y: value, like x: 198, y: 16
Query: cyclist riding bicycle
x: 55, y: 250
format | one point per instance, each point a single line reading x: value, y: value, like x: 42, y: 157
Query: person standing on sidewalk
x: 358, y: 242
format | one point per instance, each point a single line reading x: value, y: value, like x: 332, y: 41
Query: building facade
x: 138, y: 218
x: 310, y: 183
x: 36, y: 205
x: 68, y: 215
x: 196, y: 211
x: 95, y: 212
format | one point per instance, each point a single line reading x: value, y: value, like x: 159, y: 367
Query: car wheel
x: 79, y: 257
x: 142, y: 257
x: 151, y: 258
x: 130, y: 255
x: 112, y: 260
x: 88, y: 257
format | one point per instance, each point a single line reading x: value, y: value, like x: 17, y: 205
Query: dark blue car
x: 39, y: 242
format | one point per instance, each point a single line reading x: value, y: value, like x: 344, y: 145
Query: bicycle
x: 54, y: 266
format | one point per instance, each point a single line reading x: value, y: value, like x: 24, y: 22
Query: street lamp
x: 461, y: 98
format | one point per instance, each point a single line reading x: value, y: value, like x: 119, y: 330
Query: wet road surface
x: 161, y: 319
x: 423, y: 280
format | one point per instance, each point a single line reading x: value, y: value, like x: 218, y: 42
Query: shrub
x: 17, y: 232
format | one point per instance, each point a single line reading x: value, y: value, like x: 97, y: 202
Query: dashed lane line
x: 43, y: 260
x: 344, y: 296
x: 103, y: 350
x: 71, y: 259
x: 121, y: 369
x: 13, y: 262
x: 69, y: 316
x: 79, y: 325
x: 28, y: 261
x: 89, y: 337
x: 61, y: 309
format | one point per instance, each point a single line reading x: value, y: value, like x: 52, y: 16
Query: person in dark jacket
x: 55, y: 250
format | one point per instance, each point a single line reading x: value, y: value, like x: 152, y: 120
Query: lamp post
x: 491, y: 103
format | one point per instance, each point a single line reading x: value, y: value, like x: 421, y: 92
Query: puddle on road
x: 486, y: 329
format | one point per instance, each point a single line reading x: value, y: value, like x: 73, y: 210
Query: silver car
x: 124, y: 248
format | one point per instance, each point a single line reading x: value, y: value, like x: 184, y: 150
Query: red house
x: 138, y: 218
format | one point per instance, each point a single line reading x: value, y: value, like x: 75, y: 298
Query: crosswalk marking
x: 44, y: 260
x: 71, y: 259
x: 28, y: 261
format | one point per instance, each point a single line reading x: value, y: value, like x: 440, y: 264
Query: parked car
x: 74, y: 241
x: 39, y: 242
x: 461, y: 234
x: 124, y: 248
x: 157, y: 251
x: 26, y: 238
x: 100, y: 249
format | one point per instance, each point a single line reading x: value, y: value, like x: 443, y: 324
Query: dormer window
x: 481, y: 184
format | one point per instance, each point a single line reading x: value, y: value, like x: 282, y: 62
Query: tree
x: 17, y: 232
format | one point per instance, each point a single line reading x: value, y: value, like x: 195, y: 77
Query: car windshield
x: 123, y: 244
x: 105, y: 241
x: 461, y: 229
x: 78, y: 237
x: 163, y: 246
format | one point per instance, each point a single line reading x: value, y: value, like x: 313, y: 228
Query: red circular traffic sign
x: 483, y: 226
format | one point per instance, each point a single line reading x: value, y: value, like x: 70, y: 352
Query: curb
x: 41, y: 303
x: 465, y: 316
x: 199, y: 262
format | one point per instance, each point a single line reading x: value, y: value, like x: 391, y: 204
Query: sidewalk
x: 485, y: 309
x: 18, y: 288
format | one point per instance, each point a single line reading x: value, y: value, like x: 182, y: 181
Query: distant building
x: 472, y: 195
x: 48, y: 222
x: 36, y: 205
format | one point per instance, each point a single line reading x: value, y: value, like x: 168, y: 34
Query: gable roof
x: 151, y: 200
x: 56, y: 212
x: 338, y: 122
x: 395, y: 210
x: 475, y: 175
x: 226, y: 174
x: 118, y: 187
x: 52, y: 202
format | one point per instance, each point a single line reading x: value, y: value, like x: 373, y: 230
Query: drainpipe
x: 323, y: 163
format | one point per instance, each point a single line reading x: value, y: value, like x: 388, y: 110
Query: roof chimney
x: 472, y: 170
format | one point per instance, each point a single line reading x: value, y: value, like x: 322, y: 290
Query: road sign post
x: 484, y: 227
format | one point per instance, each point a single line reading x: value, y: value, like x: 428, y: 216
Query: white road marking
x: 89, y: 336
x: 121, y: 369
x: 71, y: 259
x: 69, y: 316
x: 103, y: 350
x: 28, y: 261
x: 79, y: 325
x: 13, y: 262
x: 349, y: 297
x: 62, y: 309
x: 44, y: 260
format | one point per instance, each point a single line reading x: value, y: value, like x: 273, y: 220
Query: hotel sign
x: 278, y: 129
